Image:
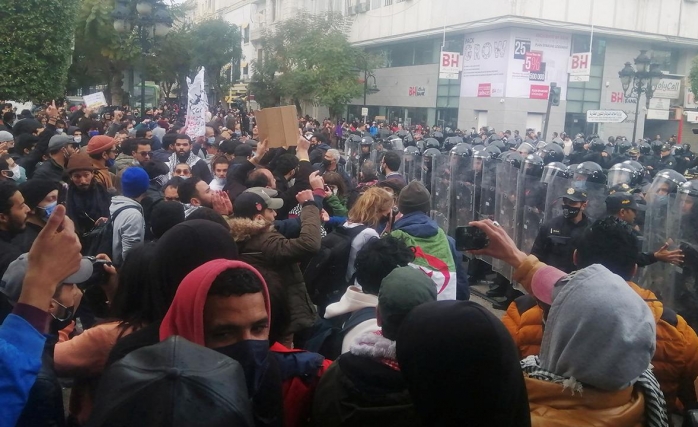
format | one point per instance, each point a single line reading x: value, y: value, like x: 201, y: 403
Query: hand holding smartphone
x: 471, y: 238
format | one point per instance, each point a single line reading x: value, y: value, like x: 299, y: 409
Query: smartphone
x: 470, y: 238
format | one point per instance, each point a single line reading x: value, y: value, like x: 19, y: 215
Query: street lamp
x: 150, y: 19
x: 644, y: 78
x: 373, y: 88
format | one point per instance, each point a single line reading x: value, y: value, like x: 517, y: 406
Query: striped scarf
x: 655, y: 405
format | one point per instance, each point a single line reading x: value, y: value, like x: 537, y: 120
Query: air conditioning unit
x: 352, y: 10
x: 363, y: 7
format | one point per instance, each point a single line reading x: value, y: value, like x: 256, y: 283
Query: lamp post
x: 369, y: 89
x: 644, y: 78
x: 150, y: 19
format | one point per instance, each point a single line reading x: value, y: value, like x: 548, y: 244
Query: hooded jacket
x: 599, y: 339
x: 436, y: 254
x: 185, y: 318
x: 675, y: 360
x: 49, y: 170
x: 129, y: 227
x: 277, y: 258
x: 353, y: 300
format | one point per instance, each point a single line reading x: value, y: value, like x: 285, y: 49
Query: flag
x: 197, y: 106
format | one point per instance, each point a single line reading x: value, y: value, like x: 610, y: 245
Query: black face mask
x: 253, y: 356
x: 326, y: 163
x: 570, y: 212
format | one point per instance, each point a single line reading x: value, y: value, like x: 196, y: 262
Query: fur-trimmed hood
x: 244, y: 229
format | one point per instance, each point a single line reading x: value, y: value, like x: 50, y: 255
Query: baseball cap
x: 173, y: 383
x: 576, y: 195
x: 11, y: 283
x: 250, y: 203
x: 618, y: 201
x: 59, y: 141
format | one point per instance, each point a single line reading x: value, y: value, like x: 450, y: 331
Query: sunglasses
x: 146, y: 153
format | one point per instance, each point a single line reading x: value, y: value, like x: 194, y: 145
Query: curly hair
x: 367, y: 209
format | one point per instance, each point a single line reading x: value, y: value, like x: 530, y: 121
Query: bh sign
x: 579, y: 67
x: 450, y: 65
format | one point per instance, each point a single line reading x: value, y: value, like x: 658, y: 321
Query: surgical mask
x: 253, y: 356
x: 15, y: 172
x: 59, y: 131
x: 110, y: 162
x: 77, y: 139
x: 93, y: 133
x: 570, y: 212
x: 211, y: 140
x: 661, y: 199
x: 220, y: 181
x: 291, y: 182
x: 47, y: 210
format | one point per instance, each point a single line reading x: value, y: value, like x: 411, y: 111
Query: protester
x: 102, y: 152
x: 127, y: 213
x: 436, y: 252
x: 183, y: 154
x: 13, y: 218
x: 275, y: 256
x: 54, y: 256
x: 365, y: 386
x: 60, y: 149
x: 87, y: 201
x: 461, y: 367
x: 41, y: 196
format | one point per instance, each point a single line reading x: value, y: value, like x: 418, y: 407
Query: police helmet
x: 452, y: 141
x: 624, y: 173
x: 513, y: 158
x: 578, y: 144
x: 355, y: 138
x: 624, y: 146
x: 552, y: 170
x: 533, y: 165
x: 671, y: 176
x: 552, y: 153
x: 439, y: 136
x: 432, y: 143
x: 367, y: 140
x: 598, y: 145
x: 499, y: 144
x: 656, y: 146
x: 494, y: 151
x: 645, y: 148
x: 593, y: 172
x: 431, y: 152
x: 689, y: 187
x: 679, y: 150
x: 462, y: 150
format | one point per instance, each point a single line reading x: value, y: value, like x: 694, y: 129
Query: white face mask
x: 292, y: 182
x: 59, y: 131
x: 77, y: 139
x: 15, y: 172
x: 220, y: 181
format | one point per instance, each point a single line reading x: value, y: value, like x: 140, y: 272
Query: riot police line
x: 526, y: 186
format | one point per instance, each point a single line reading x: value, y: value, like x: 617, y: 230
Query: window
x: 667, y: 60
x: 388, y: 2
x: 245, y: 69
x: 412, y: 53
x: 246, y: 34
x: 583, y: 96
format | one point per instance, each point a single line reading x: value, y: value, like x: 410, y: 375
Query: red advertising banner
x: 539, y: 92
x: 484, y: 90
x: 532, y: 61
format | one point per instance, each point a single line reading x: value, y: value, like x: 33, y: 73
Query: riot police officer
x: 555, y: 243
x: 579, y: 151
x: 666, y: 159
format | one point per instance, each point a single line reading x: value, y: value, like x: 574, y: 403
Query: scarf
x: 85, y: 207
x: 655, y: 405
x: 191, y: 161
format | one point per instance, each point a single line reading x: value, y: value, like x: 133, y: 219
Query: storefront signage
x: 417, y: 91
x: 668, y: 88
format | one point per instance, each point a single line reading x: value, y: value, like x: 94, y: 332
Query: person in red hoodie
x: 225, y: 305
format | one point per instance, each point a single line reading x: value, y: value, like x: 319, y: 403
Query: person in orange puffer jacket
x: 615, y: 247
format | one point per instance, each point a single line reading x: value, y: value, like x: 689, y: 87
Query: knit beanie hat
x: 402, y: 290
x: 35, y: 190
x: 79, y: 162
x: 414, y: 198
x: 99, y: 144
x: 134, y: 182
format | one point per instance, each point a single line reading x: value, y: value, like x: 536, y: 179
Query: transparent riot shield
x: 412, y: 164
x: 557, y: 187
x: 505, y: 208
x: 530, y: 210
x: 351, y: 150
x: 377, y: 153
x: 463, y: 190
x: 655, y: 234
x: 681, y: 289
x: 485, y: 202
x: 441, y: 190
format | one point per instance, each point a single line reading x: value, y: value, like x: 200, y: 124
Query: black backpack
x: 100, y: 238
x: 324, y: 275
x: 328, y: 334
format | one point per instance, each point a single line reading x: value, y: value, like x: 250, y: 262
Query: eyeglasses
x: 65, y: 312
x: 145, y: 153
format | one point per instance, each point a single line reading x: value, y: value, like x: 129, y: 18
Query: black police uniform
x: 556, y: 241
x: 668, y: 162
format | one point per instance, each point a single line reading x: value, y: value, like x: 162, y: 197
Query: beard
x: 16, y: 227
x: 182, y: 156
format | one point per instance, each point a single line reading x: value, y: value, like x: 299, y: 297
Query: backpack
x: 325, y: 273
x: 100, y: 238
x: 328, y: 334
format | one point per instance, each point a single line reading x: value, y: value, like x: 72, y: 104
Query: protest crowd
x: 153, y: 275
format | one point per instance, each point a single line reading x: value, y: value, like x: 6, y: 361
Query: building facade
x: 512, y: 50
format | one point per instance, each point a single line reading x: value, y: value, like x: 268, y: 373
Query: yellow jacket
x: 675, y: 361
x: 551, y: 406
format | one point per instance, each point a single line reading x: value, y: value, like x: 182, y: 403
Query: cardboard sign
x: 95, y: 100
x: 279, y: 125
